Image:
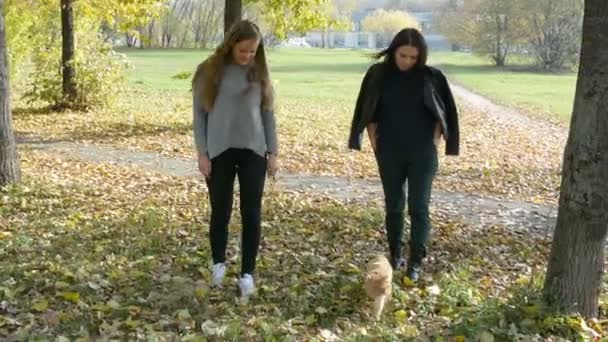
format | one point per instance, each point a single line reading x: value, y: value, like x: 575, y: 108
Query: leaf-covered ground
x: 106, y: 252
x: 102, y: 251
x: 504, y: 162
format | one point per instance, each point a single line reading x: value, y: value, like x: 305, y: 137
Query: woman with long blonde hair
x: 235, y: 135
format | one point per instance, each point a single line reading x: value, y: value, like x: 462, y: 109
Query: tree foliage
x: 286, y: 16
x: 490, y: 27
x: 388, y: 22
x: 551, y: 30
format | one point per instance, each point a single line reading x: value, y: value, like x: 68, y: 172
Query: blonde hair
x: 213, y: 67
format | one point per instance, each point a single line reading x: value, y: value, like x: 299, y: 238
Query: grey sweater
x: 236, y: 119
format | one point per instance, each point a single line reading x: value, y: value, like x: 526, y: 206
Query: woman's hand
x: 272, y: 165
x: 204, y: 165
x: 373, y: 135
x: 437, y: 135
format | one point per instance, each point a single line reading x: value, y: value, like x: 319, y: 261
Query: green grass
x: 304, y: 74
x: 517, y: 85
x: 335, y: 75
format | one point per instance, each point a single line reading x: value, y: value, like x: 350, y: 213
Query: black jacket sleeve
x: 452, y: 146
x: 354, y: 140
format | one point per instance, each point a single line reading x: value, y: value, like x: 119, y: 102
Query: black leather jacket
x: 437, y: 98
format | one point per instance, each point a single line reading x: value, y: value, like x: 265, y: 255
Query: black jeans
x: 251, y: 170
x: 418, y: 170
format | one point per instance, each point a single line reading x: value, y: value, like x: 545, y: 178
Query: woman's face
x: 244, y: 51
x: 406, y: 57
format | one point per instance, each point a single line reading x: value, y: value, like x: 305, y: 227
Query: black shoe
x: 413, y: 271
x: 397, y: 263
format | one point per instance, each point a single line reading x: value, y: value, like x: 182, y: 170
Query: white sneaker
x: 246, y: 285
x: 218, y: 273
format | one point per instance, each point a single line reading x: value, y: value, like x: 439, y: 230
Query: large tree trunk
x: 67, y: 57
x: 232, y: 13
x: 9, y: 161
x: 577, y: 254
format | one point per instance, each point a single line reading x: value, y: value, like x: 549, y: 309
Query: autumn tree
x: 555, y: 31
x: 388, y: 23
x: 233, y: 11
x: 284, y: 16
x: 9, y: 161
x: 67, y: 52
x: 490, y: 27
x: 574, y: 273
x: 89, y: 71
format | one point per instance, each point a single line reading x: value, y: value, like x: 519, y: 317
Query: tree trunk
x: 210, y: 30
x: 9, y: 160
x: 67, y: 57
x: 197, y: 26
x: 151, y: 34
x: 232, y: 13
x: 185, y: 15
x: 577, y: 255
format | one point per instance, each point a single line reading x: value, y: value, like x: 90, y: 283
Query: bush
x: 100, y: 73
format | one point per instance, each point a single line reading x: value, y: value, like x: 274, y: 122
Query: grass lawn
x: 329, y: 75
x: 517, y: 85
x: 311, y: 74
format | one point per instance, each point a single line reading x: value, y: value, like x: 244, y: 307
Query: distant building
x: 358, y: 39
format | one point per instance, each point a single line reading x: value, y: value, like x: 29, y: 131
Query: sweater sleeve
x: 270, y: 131
x: 200, y: 116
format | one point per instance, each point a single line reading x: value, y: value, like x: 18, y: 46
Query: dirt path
x: 478, y: 210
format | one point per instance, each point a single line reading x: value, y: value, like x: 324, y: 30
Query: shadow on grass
x: 25, y: 112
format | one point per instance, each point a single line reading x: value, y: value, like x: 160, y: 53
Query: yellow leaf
x: 459, y: 338
x: 71, y: 296
x: 407, y: 282
x: 400, y: 315
x: 523, y: 280
x: 201, y: 292
x: 532, y: 310
x: 486, y: 281
x: 40, y: 305
x: 409, y: 331
x: 131, y: 323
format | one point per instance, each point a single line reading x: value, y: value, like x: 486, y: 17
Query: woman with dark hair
x: 235, y: 135
x: 406, y: 107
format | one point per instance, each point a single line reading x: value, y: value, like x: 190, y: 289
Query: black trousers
x: 251, y: 171
x: 417, y: 171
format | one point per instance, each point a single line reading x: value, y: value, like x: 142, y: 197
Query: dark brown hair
x: 406, y: 37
